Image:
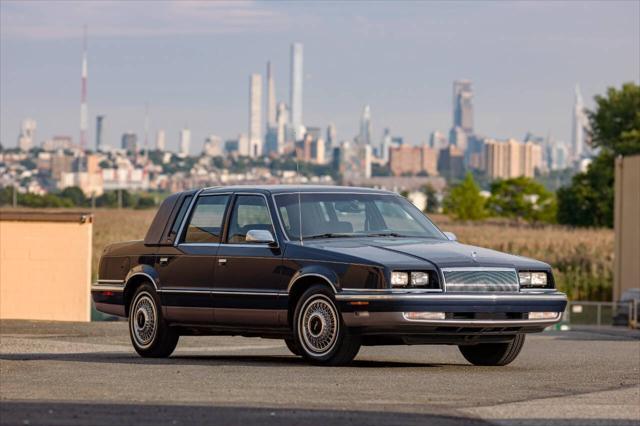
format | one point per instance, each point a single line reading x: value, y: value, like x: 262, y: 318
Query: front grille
x: 480, y: 280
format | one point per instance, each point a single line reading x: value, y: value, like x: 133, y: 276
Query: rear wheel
x: 292, y: 346
x: 320, y: 333
x: 150, y: 335
x: 493, y: 354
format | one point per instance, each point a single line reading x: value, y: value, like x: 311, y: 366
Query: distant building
x: 463, y: 105
x: 27, y: 134
x: 311, y: 148
x: 129, y: 142
x: 57, y: 143
x: 255, y: 115
x: 271, y: 98
x: 438, y: 140
x: 99, y: 132
x: 459, y: 138
x: 161, y: 141
x: 451, y: 162
x: 243, y: 145
x: 282, y: 118
x: 212, y: 146
x: 413, y: 160
x: 385, y: 145
x: 297, y: 77
x: 364, y: 137
x: 185, y: 142
x: 512, y: 158
x: 332, y: 138
x: 578, y: 127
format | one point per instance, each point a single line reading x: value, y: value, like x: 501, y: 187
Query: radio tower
x: 83, y: 94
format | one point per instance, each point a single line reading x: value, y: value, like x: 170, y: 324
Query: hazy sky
x: 190, y: 61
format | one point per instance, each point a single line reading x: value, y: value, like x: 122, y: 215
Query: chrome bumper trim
x: 512, y: 297
x: 397, y: 319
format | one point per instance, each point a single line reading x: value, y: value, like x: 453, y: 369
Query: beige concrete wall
x: 45, y: 267
x: 627, y: 225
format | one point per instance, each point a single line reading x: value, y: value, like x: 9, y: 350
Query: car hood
x: 407, y: 252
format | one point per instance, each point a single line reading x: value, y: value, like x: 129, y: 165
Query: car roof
x: 285, y: 189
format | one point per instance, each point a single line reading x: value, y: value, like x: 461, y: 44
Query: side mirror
x: 260, y: 236
x: 451, y: 236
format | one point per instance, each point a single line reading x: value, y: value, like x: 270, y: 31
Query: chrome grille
x: 480, y: 280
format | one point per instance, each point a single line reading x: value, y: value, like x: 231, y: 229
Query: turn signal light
x: 542, y: 315
x: 423, y: 316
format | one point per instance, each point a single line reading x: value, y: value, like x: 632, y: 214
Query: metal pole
x: 14, y: 195
x: 599, y: 314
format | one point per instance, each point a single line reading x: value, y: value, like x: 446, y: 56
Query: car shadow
x: 182, y: 359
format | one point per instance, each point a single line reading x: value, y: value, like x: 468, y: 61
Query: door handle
x: 222, y: 261
x: 164, y: 260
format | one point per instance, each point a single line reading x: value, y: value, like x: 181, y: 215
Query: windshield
x: 327, y: 215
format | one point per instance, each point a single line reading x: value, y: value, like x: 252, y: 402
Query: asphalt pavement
x: 78, y: 374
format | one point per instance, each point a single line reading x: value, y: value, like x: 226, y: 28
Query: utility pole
x: 14, y: 195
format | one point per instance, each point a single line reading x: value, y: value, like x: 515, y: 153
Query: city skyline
x: 410, y: 108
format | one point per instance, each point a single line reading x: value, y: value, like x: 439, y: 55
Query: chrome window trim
x: 187, y: 216
x: 273, y: 225
x: 476, y: 269
x: 388, y: 194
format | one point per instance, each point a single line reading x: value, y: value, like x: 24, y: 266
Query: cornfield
x: 582, y: 258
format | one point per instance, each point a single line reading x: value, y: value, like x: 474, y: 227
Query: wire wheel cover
x: 144, y: 320
x: 318, y: 325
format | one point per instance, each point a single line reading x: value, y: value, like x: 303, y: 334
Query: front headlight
x: 533, y: 279
x: 419, y: 279
x: 399, y: 279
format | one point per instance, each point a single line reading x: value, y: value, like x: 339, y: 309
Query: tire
x: 320, y: 333
x: 150, y: 335
x: 292, y: 346
x: 493, y: 354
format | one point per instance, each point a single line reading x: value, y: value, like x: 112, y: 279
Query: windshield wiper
x: 388, y: 234
x: 328, y: 235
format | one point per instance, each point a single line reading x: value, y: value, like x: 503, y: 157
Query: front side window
x: 250, y: 212
x: 205, y: 225
x: 352, y: 215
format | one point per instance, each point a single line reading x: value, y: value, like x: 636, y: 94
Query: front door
x: 186, y: 270
x: 248, y: 275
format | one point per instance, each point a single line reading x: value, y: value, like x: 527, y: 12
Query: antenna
x: 83, y: 92
x: 299, y: 199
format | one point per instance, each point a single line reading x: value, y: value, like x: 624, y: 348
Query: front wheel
x: 493, y: 354
x: 150, y: 334
x: 320, y: 333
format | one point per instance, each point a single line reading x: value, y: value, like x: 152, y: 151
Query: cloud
x: 64, y: 19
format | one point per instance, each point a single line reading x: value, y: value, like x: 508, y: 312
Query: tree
x: 433, y: 203
x: 615, y: 130
x: 615, y: 123
x: 522, y: 198
x: 75, y: 195
x: 464, y: 201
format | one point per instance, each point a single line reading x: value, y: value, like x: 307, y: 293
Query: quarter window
x: 205, y: 225
x: 250, y: 212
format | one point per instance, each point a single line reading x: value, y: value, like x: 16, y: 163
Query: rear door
x: 248, y: 278
x: 186, y: 270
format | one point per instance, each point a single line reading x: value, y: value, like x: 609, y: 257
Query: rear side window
x: 180, y: 216
x: 205, y: 225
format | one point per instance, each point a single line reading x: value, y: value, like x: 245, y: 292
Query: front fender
x: 319, y: 271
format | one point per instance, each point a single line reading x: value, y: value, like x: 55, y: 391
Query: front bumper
x: 386, y: 312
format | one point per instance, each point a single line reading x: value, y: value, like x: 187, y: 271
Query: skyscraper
x: 185, y: 141
x: 160, y: 140
x: 99, y: 132
x: 332, y: 138
x: 83, y: 94
x: 27, y: 134
x: 282, y: 119
x: 579, y: 124
x: 296, y: 89
x: 255, y: 114
x: 462, y: 105
x: 271, y: 97
x: 365, y: 126
x: 129, y: 142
